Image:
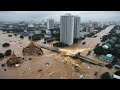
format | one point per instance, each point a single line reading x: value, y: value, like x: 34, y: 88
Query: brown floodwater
x: 57, y: 68
x: 31, y: 69
x: 90, y: 45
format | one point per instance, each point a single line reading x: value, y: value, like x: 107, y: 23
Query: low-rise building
x: 106, y: 46
x: 37, y: 31
x: 117, y: 65
x: 108, y: 57
x: 116, y: 76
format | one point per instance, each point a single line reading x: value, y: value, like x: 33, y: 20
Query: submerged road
x: 76, y: 55
x: 50, y: 48
x: 87, y: 60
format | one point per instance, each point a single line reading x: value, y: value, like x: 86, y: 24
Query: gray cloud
x: 40, y: 15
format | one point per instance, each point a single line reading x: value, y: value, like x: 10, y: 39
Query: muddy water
x: 37, y: 62
x: 29, y: 68
x: 90, y: 45
x: 92, y: 42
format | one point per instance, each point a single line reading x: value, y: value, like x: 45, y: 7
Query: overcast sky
x: 40, y: 15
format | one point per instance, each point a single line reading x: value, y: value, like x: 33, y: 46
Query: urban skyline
x: 38, y: 16
x: 71, y: 49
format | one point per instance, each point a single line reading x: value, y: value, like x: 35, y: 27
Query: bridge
x: 50, y: 48
x: 85, y: 59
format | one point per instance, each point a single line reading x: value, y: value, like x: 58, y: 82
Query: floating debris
x: 47, y: 64
x: 81, y: 76
x: 17, y: 65
x: 5, y: 69
x: 23, y: 72
x: 30, y: 58
x: 2, y: 65
x: 39, y: 70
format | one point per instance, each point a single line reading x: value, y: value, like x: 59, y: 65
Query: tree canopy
x: 105, y: 75
x: 21, y: 36
x: 6, y: 45
x: 8, y: 52
x: 117, y: 73
x: 36, y: 37
x: 1, y: 55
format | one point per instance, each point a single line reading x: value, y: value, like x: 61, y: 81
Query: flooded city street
x: 33, y: 68
x: 90, y: 45
x: 50, y: 65
x: 59, y: 45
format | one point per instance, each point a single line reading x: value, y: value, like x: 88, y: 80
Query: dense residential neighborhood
x: 109, y: 50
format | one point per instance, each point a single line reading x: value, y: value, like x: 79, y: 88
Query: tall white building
x: 50, y: 23
x: 67, y: 29
x: 76, y: 26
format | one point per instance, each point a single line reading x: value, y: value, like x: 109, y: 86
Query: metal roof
x: 110, y: 59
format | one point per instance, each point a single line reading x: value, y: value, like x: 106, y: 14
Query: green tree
x: 36, y: 37
x: 8, y: 53
x: 105, y: 37
x: 9, y: 35
x: 117, y: 73
x: 21, y: 36
x: 98, y: 50
x: 60, y: 44
x: 105, y: 75
x: 109, y: 65
x: 6, y: 45
x: 1, y: 55
x: 118, y: 53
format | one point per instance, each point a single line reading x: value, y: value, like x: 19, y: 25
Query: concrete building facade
x: 76, y: 26
x: 89, y: 28
x: 67, y: 29
x: 50, y: 23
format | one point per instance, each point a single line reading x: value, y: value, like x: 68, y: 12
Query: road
x: 50, y: 48
x: 76, y: 55
x: 88, y: 60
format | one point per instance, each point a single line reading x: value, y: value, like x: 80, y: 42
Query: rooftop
x: 105, y: 46
x: 116, y: 76
x: 67, y: 14
x: 107, y: 58
x: 109, y: 55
